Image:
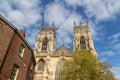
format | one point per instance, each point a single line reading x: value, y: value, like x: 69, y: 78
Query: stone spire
x: 63, y: 44
x: 80, y: 23
x: 47, y: 26
x: 87, y: 23
x: 74, y: 24
x: 53, y: 26
x: 41, y: 26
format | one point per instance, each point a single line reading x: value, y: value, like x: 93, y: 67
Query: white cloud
x: 115, y: 38
x: 117, y: 46
x: 21, y: 13
x: 57, y: 13
x: 116, y: 35
x: 31, y: 36
x: 104, y: 59
x: 115, y: 41
x: 113, y: 47
x: 100, y: 9
x: 116, y: 71
x: 73, y: 2
x: 63, y: 18
x: 108, y: 53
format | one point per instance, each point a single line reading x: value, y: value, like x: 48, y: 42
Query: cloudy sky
x: 103, y: 16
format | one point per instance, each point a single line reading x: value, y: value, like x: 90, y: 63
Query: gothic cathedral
x: 49, y: 60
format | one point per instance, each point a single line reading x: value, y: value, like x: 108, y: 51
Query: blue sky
x: 103, y: 16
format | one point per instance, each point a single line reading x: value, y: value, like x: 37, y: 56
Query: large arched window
x: 82, y: 43
x: 41, y: 65
x: 44, y: 44
x: 59, y: 67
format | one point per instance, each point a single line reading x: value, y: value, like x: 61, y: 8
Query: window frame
x: 41, y: 65
x: 21, y: 50
x: 14, y: 72
x: 82, y: 43
x: 44, y: 44
x: 60, y: 64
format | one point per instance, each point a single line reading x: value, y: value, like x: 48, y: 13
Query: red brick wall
x: 25, y: 62
x: 13, y: 57
x: 5, y: 36
x: 31, y: 70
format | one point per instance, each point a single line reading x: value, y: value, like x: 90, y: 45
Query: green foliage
x: 85, y: 66
x: 108, y: 75
x: 82, y: 66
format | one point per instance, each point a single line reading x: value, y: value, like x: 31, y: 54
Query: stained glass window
x: 58, y: 76
x: 41, y: 65
x: 44, y: 44
x: 82, y: 43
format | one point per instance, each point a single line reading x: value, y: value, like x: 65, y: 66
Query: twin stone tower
x: 50, y: 60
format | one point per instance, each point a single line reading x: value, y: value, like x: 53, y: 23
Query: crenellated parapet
x: 47, y: 27
x: 82, y: 38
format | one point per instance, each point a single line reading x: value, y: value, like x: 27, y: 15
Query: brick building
x: 17, y: 60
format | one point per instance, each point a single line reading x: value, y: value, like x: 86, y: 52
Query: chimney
x: 22, y: 32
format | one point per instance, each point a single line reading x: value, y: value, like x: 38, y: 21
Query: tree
x: 108, y: 75
x: 82, y: 66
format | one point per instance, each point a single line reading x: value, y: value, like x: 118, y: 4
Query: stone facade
x: 49, y: 60
x: 82, y: 34
x: 16, y: 62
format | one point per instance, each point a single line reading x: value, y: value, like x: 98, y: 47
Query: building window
x: 44, y: 44
x: 41, y: 65
x: 82, y: 43
x: 29, y: 78
x: 14, y: 72
x: 21, y: 50
x: 59, y: 67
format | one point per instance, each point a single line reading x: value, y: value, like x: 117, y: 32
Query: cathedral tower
x: 44, y: 47
x: 83, y: 40
x: 46, y: 41
x: 49, y: 60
